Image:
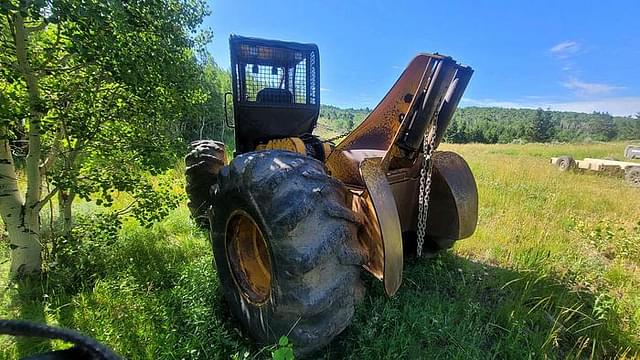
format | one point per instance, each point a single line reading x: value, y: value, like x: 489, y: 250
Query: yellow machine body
x: 380, y: 163
x: 383, y: 175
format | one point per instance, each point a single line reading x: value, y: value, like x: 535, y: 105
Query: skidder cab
x: 293, y: 219
x: 275, y: 90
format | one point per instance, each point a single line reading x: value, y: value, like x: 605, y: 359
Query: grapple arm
x: 434, y: 100
x: 428, y: 90
x: 391, y: 139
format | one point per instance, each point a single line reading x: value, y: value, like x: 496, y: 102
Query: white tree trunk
x: 23, y: 218
x: 23, y: 230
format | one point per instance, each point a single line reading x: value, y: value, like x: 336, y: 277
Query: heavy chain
x: 337, y: 137
x: 426, y: 170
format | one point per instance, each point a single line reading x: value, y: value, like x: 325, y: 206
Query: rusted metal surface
x: 433, y: 103
x: 452, y: 99
x: 453, y: 210
x: 428, y: 90
x: 388, y: 222
x: 423, y: 111
x: 378, y: 163
x: 453, y: 207
x: 378, y: 130
x: 349, y: 165
x: 405, y: 192
x: 370, y: 235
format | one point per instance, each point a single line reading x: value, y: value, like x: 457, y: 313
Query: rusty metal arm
x: 452, y: 99
x: 380, y: 194
x: 387, y: 143
x: 429, y: 105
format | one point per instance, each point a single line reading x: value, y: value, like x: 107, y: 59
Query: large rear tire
x: 286, y: 250
x: 203, y: 162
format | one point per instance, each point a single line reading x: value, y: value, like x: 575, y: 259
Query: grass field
x: 553, y: 271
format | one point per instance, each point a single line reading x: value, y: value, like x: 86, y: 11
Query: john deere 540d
x: 293, y: 219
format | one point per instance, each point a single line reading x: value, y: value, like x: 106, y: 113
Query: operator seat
x: 274, y: 96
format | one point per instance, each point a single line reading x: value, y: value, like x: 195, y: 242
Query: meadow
x: 553, y: 271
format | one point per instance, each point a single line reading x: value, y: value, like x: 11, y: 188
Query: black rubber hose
x: 32, y: 329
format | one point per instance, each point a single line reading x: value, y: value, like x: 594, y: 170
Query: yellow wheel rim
x: 248, y: 257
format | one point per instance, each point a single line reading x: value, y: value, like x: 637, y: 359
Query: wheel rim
x: 248, y: 257
x: 634, y: 178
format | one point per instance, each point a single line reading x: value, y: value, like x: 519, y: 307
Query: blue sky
x: 565, y: 55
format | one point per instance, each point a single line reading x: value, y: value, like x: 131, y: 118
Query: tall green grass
x: 552, y: 272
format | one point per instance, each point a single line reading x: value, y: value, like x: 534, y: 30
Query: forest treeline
x: 342, y: 120
x: 498, y: 125
x: 492, y: 125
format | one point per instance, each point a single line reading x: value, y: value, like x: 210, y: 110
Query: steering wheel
x: 84, y: 348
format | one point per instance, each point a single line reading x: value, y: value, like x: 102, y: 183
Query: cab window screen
x: 273, y: 75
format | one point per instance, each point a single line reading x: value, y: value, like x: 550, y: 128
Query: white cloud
x: 619, y: 106
x: 586, y: 88
x: 497, y: 103
x: 325, y: 89
x: 565, y: 49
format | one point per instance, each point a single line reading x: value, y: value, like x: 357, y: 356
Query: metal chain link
x: 337, y: 137
x: 426, y: 170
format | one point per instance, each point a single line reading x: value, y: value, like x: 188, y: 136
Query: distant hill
x: 334, y: 121
x: 500, y: 125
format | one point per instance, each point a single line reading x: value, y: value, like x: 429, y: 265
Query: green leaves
x: 283, y: 341
x: 284, y: 350
x: 154, y: 203
x: 7, y: 7
x: 120, y: 88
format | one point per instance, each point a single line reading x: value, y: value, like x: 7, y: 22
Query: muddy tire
x: 632, y: 176
x: 203, y: 162
x: 565, y: 163
x: 286, y: 250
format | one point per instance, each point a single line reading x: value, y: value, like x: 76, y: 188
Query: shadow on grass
x: 153, y: 297
x: 453, y: 307
x: 152, y: 294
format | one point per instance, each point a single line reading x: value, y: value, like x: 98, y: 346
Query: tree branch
x: 126, y: 209
x: 46, y: 198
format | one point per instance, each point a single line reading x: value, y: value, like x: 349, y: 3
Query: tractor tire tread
x: 312, y: 236
x: 204, y: 160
